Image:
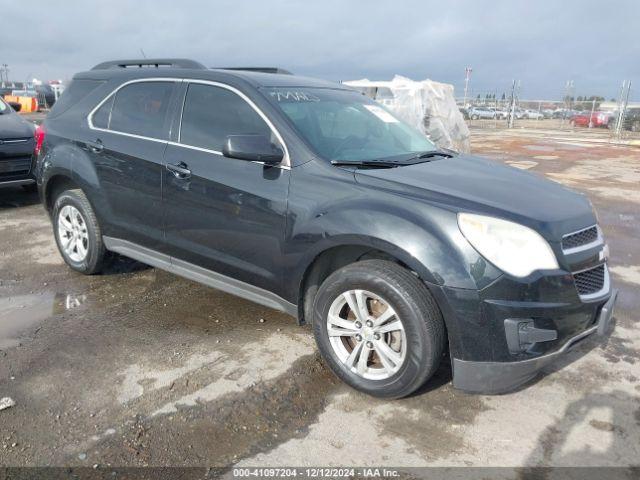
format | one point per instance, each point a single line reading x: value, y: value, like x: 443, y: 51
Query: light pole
x: 467, y: 77
x: 593, y: 108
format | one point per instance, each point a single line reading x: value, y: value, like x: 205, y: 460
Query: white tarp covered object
x: 426, y: 105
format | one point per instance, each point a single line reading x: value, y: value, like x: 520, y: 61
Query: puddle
x: 21, y: 312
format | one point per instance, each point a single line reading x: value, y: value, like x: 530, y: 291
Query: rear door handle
x: 96, y: 147
x: 179, y: 170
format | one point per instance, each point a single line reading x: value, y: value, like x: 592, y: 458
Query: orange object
x: 29, y: 104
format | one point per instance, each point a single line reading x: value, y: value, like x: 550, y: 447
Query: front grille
x: 15, y: 166
x: 590, y: 281
x: 578, y: 239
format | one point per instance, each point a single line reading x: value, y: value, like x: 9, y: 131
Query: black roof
x: 185, y: 68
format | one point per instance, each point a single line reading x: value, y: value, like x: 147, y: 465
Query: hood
x: 473, y: 184
x: 13, y: 125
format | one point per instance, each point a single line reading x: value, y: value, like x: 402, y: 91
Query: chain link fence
x: 615, y: 120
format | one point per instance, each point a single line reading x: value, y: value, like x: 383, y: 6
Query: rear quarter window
x: 76, y: 91
x: 141, y: 109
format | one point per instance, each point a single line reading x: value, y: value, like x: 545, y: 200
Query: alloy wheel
x: 73, y: 233
x: 366, y: 334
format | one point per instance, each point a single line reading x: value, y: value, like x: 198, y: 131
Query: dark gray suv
x: 308, y: 197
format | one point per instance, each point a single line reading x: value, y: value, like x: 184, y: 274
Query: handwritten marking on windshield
x: 294, y: 96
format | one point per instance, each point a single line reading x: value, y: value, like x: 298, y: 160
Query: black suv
x: 308, y: 197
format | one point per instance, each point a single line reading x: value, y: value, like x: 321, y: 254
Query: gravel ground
x: 140, y: 367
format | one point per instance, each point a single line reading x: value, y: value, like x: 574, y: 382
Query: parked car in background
x: 16, y: 147
x: 478, y: 112
x: 465, y: 112
x: 631, y: 120
x: 45, y: 92
x: 597, y: 119
x: 563, y: 114
x: 311, y: 198
x: 502, y: 113
x: 532, y: 115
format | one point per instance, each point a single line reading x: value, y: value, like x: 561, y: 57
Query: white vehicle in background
x: 533, y: 115
x: 502, y: 113
x: 481, y: 112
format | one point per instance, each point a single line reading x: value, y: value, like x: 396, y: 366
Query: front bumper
x: 17, y: 162
x: 500, y: 377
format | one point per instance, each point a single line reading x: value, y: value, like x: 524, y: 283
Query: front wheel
x: 378, y: 328
x: 77, y: 232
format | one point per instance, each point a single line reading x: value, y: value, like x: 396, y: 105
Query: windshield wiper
x: 427, y: 155
x: 421, y: 157
x: 366, y: 163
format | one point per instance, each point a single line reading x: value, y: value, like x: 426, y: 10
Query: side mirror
x: 15, y: 105
x: 256, y: 148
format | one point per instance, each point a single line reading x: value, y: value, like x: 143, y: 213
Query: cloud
x: 542, y: 43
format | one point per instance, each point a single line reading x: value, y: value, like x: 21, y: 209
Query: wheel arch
x: 335, y: 256
x: 55, y: 185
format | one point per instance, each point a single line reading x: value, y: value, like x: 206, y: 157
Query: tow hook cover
x: 522, y: 334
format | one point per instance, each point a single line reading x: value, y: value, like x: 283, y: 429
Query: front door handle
x: 179, y: 170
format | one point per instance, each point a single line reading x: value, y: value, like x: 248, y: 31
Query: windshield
x: 346, y: 125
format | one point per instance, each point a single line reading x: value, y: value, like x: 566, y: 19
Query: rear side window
x: 76, y: 91
x: 211, y: 113
x: 141, y: 109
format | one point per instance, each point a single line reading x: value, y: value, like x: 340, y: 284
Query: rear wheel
x: 378, y: 328
x: 77, y: 232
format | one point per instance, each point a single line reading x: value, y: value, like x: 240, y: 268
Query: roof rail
x: 259, y: 69
x: 151, y: 62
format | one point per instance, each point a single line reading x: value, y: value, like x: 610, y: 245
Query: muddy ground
x: 140, y: 367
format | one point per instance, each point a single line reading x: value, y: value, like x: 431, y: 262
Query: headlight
x: 513, y: 248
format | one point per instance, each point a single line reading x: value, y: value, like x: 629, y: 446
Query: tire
x: 89, y: 254
x: 417, y: 349
x: 474, y: 117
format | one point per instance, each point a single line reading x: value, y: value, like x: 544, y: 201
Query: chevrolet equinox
x: 308, y: 197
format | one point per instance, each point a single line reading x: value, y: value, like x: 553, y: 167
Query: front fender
x: 424, y: 237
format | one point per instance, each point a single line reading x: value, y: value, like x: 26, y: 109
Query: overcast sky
x: 543, y: 43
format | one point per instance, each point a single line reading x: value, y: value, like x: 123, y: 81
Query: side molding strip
x: 200, y: 275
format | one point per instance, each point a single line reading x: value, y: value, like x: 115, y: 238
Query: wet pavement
x: 139, y: 367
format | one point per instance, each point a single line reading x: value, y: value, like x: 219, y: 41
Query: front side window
x: 212, y: 113
x: 346, y: 125
x: 140, y: 109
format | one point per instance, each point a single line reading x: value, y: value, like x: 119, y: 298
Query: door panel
x: 130, y: 175
x: 129, y: 134
x: 227, y: 216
